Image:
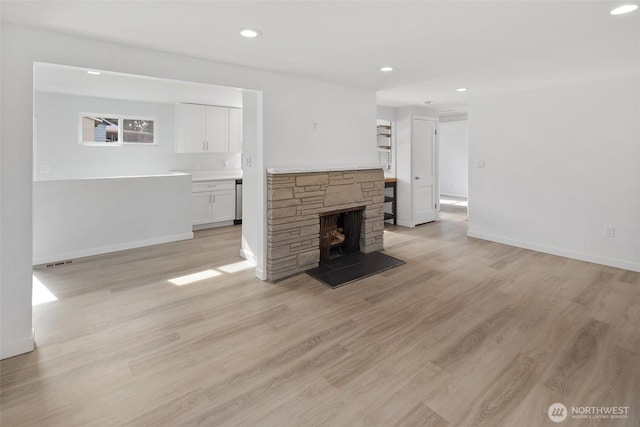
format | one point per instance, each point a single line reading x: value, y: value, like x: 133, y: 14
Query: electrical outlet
x: 247, y: 161
x: 610, y: 232
x: 44, y: 168
x: 480, y: 164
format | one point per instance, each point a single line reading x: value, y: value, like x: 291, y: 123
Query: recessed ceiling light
x: 462, y: 89
x: 249, y: 33
x: 386, y: 69
x: 624, y: 9
x: 93, y: 73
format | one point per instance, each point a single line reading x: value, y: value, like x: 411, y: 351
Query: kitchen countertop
x: 216, y: 175
x: 157, y: 175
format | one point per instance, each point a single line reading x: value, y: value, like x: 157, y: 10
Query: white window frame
x: 121, y: 118
x: 99, y: 143
x: 151, y: 119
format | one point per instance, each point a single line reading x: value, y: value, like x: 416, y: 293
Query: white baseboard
x: 248, y: 255
x: 15, y: 348
x: 405, y: 223
x: 212, y: 225
x: 454, y: 195
x: 110, y: 248
x: 261, y: 274
x: 567, y: 253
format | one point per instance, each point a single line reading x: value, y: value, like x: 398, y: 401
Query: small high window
x: 138, y: 131
x: 114, y: 130
x: 98, y: 130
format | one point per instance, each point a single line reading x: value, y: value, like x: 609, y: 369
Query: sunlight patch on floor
x: 237, y: 266
x: 41, y: 294
x: 195, y: 277
x: 454, y: 202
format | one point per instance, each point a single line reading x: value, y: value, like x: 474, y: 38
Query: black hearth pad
x: 349, y: 268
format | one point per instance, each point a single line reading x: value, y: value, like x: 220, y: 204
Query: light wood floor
x: 468, y: 332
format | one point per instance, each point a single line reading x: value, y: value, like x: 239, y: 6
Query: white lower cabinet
x: 223, y: 206
x: 213, y: 202
x: 201, y: 208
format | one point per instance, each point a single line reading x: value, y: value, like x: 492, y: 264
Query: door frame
x: 436, y: 164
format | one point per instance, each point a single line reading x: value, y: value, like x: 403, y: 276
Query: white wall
x: 58, y: 148
x: 458, y: 117
x: 560, y: 165
x: 253, y: 200
x: 82, y: 217
x: 454, y: 164
x: 308, y: 123
x: 345, y: 119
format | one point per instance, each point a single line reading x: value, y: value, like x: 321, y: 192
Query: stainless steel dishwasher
x: 238, y: 219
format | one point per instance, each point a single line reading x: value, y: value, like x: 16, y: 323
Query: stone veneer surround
x: 294, y: 203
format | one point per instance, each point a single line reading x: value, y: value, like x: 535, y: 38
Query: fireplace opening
x: 340, y: 232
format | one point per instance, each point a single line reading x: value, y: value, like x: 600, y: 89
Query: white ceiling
x: 436, y: 46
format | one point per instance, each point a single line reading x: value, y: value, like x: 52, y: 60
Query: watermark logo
x: 557, y: 412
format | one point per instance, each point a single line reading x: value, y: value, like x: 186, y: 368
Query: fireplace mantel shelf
x: 309, y: 169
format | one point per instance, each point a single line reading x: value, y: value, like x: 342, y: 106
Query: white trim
x: 81, y: 140
x: 453, y: 122
x: 248, y: 255
x: 567, y: 253
x: 198, y: 227
x: 15, y: 348
x: 405, y: 223
x: 260, y: 274
x: 110, y: 248
x: 121, y: 142
x: 453, y: 195
x: 134, y: 117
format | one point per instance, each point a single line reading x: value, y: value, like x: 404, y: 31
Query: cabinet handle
x: 214, y: 198
x: 203, y: 149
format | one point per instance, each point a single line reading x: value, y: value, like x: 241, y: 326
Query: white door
x: 201, y: 208
x: 423, y: 165
x: 224, y: 206
x: 235, y: 130
x: 190, y: 122
x: 217, y: 129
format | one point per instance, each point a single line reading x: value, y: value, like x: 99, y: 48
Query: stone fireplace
x: 296, y: 201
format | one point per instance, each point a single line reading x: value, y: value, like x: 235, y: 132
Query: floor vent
x: 56, y: 264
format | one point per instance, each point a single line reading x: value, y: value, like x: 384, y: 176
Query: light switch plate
x: 610, y: 232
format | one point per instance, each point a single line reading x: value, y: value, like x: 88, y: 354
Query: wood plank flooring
x: 467, y: 333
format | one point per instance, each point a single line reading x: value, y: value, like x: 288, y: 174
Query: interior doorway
x: 454, y: 167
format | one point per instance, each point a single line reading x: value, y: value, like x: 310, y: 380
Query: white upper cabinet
x: 190, y: 128
x: 208, y: 129
x: 235, y: 130
x: 217, y: 129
